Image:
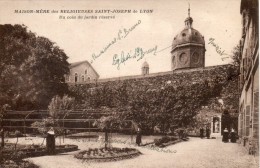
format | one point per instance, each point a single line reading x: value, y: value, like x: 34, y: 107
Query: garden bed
x: 105, y: 155
x: 81, y: 136
x: 35, y: 150
x: 18, y: 164
x: 168, y: 140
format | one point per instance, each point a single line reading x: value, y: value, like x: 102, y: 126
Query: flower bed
x: 36, y: 150
x: 110, y: 154
x: 168, y: 140
x: 18, y: 164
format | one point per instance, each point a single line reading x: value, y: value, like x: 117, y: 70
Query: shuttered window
x: 256, y: 115
x: 247, y: 120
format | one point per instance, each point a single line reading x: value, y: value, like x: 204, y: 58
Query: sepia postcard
x: 129, y: 83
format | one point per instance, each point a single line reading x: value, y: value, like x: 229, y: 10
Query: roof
x: 188, y: 36
x: 83, y: 62
x: 145, y: 65
x: 249, y: 4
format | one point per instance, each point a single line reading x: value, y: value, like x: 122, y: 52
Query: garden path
x: 195, y: 153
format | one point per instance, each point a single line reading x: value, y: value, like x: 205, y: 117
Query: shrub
x: 59, y: 104
x: 18, y: 134
x: 18, y: 164
x: 164, y: 139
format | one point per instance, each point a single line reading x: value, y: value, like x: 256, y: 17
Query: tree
x: 58, y: 106
x: 236, y: 56
x: 107, y: 123
x: 13, y: 52
x: 2, y: 114
x: 17, y: 134
x: 32, y: 68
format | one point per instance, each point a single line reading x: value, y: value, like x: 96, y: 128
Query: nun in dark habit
x: 138, y: 137
x: 225, y: 135
x: 233, y: 136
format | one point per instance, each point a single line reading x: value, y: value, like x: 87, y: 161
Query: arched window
x: 86, y: 72
x: 76, y: 77
x: 173, y: 62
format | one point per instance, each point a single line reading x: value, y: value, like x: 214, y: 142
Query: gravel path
x: 195, y: 153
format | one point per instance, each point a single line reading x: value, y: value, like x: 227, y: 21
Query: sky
x: 81, y: 38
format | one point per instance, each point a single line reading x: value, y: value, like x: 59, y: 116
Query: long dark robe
x: 225, y: 137
x: 208, y: 133
x: 50, y: 144
x: 139, y: 138
x: 201, y: 132
x: 233, y: 137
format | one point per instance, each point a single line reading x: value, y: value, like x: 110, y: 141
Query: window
x: 247, y: 120
x: 256, y: 115
x: 183, y: 58
x: 196, y: 58
x: 82, y: 78
x: 173, y: 62
x: 86, y: 72
x: 76, y: 77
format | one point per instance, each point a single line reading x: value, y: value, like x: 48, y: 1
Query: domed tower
x: 188, y: 47
x: 145, y: 68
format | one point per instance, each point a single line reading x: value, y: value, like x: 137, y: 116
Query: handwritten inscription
x: 138, y: 54
x: 218, y: 49
x: 122, y: 34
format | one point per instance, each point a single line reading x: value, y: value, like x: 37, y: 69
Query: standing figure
x: 208, y: 132
x: 50, y: 142
x: 201, y: 132
x: 138, y: 137
x: 233, y: 136
x: 225, y: 135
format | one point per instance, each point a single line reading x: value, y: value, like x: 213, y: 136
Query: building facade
x: 249, y: 75
x: 188, y: 47
x: 81, y: 72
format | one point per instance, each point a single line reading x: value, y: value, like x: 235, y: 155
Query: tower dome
x: 188, y: 36
x: 145, y: 68
x: 188, y: 47
x: 145, y: 64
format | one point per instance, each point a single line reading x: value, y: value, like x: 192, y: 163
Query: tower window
x: 173, y: 62
x: 76, y: 77
x: 183, y: 58
x: 86, y: 71
x: 195, y: 58
x: 183, y: 34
